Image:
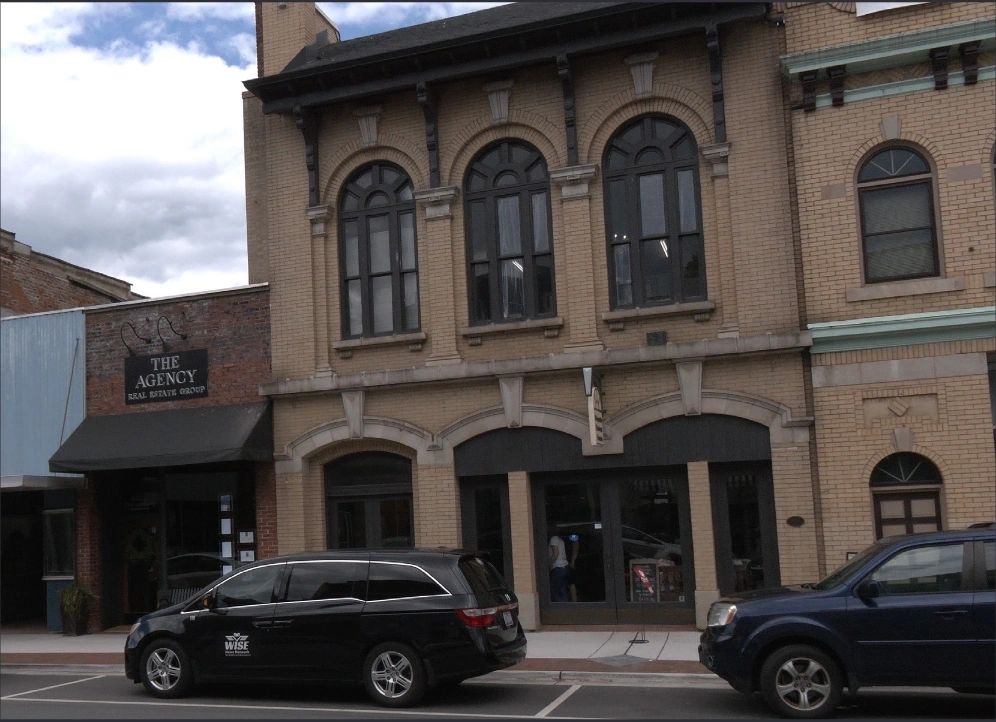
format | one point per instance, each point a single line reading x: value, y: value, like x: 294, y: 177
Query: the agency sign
x: 166, y: 377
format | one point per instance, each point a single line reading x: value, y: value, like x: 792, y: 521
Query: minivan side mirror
x: 869, y: 589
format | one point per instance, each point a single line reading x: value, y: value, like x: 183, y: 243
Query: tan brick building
x: 537, y: 288
x: 893, y: 135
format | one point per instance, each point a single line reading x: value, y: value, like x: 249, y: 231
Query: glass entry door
x: 615, y: 547
x: 743, y: 509
x: 486, y: 526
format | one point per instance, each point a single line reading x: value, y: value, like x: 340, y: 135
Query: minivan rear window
x: 484, y: 580
x: 400, y: 581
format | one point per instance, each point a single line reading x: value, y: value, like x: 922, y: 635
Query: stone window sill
x: 897, y: 289
x: 550, y: 327
x: 346, y: 347
x: 701, y: 310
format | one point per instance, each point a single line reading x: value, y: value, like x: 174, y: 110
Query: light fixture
x: 664, y: 248
x: 159, y: 332
x: 131, y: 351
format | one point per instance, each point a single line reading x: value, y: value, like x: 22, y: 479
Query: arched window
x: 898, y: 233
x: 377, y: 252
x: 369, y: 501
x: 901, y: 507
x: 509, y: 236
x: 653, y: 218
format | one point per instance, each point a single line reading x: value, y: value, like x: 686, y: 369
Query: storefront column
x: 88, y: 558
x: 703, y: 540
x: 266, y: 511
x: 792, y: 479
x: 520, y: 517
x: 290, y: 512
x: 437, y: 507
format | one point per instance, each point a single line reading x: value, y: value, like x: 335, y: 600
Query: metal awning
x: 201, y: 435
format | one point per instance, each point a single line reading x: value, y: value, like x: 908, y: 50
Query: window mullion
x: 394, y: 243
x: 633, y: 226
x: 527, y: 248
x: 494, y: 255
x: 366, y: 282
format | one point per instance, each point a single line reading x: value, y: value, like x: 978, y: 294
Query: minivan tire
x: 165, y: 669
x: 394, y: 675
x: 801, y: 682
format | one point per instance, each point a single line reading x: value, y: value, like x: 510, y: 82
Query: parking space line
x: 287, y: 708
x: 52, y: 686
x: 557, y: 702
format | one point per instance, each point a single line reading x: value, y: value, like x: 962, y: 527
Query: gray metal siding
x: 42, y: 366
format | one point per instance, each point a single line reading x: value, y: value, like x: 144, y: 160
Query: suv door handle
x: 285, y: 622
x: 950, y: 613
x: 262, y: 623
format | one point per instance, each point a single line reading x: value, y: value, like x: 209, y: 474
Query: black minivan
x: 399, y: 621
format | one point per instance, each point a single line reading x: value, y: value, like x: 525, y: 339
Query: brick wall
x: 233, y: 327
x: 32, y: 282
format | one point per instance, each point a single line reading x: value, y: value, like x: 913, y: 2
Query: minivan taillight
x: 478, y: 617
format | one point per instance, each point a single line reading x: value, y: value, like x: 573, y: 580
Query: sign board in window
x: 643, y: 582
x: 166, y: 377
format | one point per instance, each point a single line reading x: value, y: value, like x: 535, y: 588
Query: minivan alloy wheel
x: 165, y: 669
x: 162, y: 668
x: 392, y: 674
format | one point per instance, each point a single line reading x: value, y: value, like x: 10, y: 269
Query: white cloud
x: 127, y: 160
x: 195, y: 11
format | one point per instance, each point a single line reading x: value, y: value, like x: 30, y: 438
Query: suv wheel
x: 801, y: 681
x: 165, y: 669
x: 393, y: 675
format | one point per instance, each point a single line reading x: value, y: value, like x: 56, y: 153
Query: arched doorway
x: 906, y: 495
x: 368, y: 501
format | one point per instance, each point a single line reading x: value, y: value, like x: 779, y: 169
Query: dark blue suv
x: 913, y: 610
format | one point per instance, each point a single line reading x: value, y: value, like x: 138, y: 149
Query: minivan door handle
x: 284, y: 622
x: 262, y: 623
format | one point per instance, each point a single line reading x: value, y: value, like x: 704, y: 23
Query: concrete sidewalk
x: 601, y: 650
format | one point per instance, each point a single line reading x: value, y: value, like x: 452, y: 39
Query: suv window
x: 483, y: 578
x: 936, y: 568
x: 989, y: 554
x: 398, y: 581
x: 252, y: 587
x: 326, y: 580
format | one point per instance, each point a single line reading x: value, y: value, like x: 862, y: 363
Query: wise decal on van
x: 236, y: 645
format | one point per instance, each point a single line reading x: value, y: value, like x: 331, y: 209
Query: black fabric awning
x: 177, y: 437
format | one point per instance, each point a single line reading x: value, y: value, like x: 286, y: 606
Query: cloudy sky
x: 111, y: 158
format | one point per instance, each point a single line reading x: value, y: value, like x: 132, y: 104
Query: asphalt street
x: 28, y: 694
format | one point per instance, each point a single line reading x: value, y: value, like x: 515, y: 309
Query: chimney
x: 283, y: 28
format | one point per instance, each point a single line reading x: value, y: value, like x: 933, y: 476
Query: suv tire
x: 800, y: 681
x: 165, y: 669
x: 393, y: 675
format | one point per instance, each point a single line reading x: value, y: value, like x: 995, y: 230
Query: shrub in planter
x: 74, y: 602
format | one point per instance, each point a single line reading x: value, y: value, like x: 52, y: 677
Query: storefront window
x: 574, y: 549
x: 651, y: 540
x: 59, y: 543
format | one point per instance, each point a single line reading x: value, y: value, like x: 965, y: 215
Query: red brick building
x: 176, y: 448
x: 32, y: 282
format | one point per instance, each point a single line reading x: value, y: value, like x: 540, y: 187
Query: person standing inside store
x: 559, y: 571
